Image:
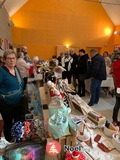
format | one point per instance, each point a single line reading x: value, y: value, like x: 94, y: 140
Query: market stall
x: 94, y: 123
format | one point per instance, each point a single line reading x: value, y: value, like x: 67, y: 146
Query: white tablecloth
x: 109, y: 82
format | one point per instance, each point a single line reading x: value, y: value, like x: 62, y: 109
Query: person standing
x: 107, y: 59
x: 97, y: 74
x: 10, y: 109
x: 116, y: 76
x: 66, y: 62
x: 107, y: 62
x: 26, y: 56
x: 82, y: 71
x: 23, y: 66
x: 1, y: 61
x: 60, y: 58
x: 74, y: 66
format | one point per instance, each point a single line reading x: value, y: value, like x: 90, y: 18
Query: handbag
x: 13, y: 97
x: 28, y: 150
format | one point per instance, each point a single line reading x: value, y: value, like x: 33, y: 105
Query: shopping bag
x: 58, y: 104
x: 58, y: 125
x: 28, y: 150
x: 73, y: 127
x: 34, y: 100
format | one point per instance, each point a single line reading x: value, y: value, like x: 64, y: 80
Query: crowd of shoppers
x: 76, y: 67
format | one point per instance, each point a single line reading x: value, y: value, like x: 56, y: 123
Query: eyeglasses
x: 11, y: 58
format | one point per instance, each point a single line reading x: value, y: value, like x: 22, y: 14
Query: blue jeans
x: 95, y: 91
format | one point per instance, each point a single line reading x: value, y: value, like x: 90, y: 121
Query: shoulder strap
x: 18, y: 76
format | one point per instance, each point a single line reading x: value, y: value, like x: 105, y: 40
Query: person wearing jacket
x: 97, y: 74
x: 82, y: 71
x: 116, y: 76
x: 66, y: 62
x: 9, y: 83
x: 23, y: 67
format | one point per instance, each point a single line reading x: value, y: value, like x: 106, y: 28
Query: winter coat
x: 74, y: 63
x: 116, y: 73
x: 82, y: 64
x: 98, y: 67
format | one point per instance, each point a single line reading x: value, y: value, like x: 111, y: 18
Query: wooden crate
x: 67, y: 140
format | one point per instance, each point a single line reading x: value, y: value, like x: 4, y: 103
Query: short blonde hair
x: 8, y: 52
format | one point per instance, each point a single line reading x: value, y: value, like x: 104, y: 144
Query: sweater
x: 8, y: 82
x: 23, y: 67
x: 116, y: 73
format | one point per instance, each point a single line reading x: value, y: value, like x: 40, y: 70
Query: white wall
x: 5, y: 29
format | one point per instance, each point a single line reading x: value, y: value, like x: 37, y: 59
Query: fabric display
x: 22, y: 131
x: 40, y: 128
x: 58, y: 124
x: 34, y: 100
x: 27, y: 130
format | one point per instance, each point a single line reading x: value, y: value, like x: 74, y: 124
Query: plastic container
x: 108, y: 132
x: 115, y: 142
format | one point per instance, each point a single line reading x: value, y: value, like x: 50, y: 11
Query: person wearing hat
x: 97, y: 74
x: 66, y: 62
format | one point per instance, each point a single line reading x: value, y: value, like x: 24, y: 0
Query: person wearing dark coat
x: 97, y: 74
x: 60, y: 58
x: 82, y: 71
